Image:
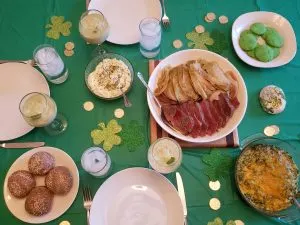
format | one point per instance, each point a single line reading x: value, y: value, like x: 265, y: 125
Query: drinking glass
x: 51, y: 64
x: 150, y: 37
x: 165, y: 155
x: 94, y: 28
x: 96, y: 162
x: 39, y: 110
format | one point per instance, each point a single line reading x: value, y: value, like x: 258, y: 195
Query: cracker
x: 214, y: 185
x: 211, y: 16
x: 88, y: 106
x: 119, y: 113
x: 214, y: 204
x: 69, y: 45
x: 223, y: 19
x: 200, y: 29
x: 68, y: 53
x: 177, y: 43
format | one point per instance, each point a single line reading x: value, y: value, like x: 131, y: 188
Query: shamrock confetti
x: 107, y: 135
x: 199, y: 40
x: 217, y: 221
x: 218, y: 164
x: 132, y: 135
x: 58, y: 27
x: 220, y: 42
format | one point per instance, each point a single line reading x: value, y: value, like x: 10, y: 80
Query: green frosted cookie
x: 245, y: 32
x: 251, y: 53
x: 276, y: 52
x: 269, y: 30
x: 258, y: 28
x: 274, y: 39
x: 264, y: 53
x: 248, y: 42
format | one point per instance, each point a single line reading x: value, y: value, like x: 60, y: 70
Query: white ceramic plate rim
x: 139, y: 170
x: 26, y: 128
x: 51, y: 215
x: 117, y: 38
x: 182, y: 57
x: 265, y: 17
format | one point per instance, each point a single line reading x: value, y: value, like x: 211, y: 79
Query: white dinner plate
x: 124, y: 17
x: 17, y: 80
x: 274, y: 20
x: 136, y: 196
x: 192, y: 54
x: 60, y: 203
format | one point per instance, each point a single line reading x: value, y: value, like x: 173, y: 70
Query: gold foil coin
x: 214, y: 204
x: 214, y: 185
x: 69, y: 45
x: 211, y: 16
x: 199, y: 29
x: 88, y: 106
x: 271, y: 130
x: 65, y: 222
x: 239, y: 222
x: 68, y: 52
x: 223, y: 19
x: 177, y: 43
x: 119, y: 113
x: 207, y: 20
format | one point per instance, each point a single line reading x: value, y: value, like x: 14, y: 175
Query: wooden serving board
x: 231, y: 140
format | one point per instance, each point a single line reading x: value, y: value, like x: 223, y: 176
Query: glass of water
x: 150, y: 37
x: 39, y: 110
x: 96, y: 162
x: 50, y: 63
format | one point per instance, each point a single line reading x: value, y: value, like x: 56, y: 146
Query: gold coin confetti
x: 68, y: 52
x: 214, y: 185
x: 239, y: 222
x: 88, y: 106
x: 211, y: 16
x: 207, y: 20
x: 223, y: 19
x: 119, y: 113
x: 271, y: 130
x: 199, y: 29
x: 69, y: 45
x: 214, y: 204
x: 65, y: 222
x: 177, y: 43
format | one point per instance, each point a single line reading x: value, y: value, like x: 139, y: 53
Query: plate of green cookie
x: 264, y: 39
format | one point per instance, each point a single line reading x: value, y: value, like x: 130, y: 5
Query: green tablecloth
x: 22, y: 29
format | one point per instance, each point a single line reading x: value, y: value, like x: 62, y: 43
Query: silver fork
x: 165, y: 19
x: 87, y: 202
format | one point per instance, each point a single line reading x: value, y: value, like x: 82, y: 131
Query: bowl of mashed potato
x: 108, y: 75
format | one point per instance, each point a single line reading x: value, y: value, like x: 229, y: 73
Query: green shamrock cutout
x: 220, y: 42
x: 57, y: 27
x: 132, y: 135
x: 107, y: 135
x: 217, y: 164
x: 218, y: 221
x: 199, y: 40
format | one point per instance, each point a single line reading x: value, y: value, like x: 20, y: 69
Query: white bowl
x: 192, y: 54
x: 274, y: 20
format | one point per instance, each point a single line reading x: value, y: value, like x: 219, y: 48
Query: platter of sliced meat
x: 203, y: 97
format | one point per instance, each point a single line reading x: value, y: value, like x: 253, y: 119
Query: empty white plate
x: 60, y: 203
x: 274, y: 20
x: 136, y: 196
x: 17, y: 80
x: 124, y: 17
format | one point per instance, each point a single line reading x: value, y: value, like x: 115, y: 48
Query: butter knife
x: 181, y: 194
x: 22, y: 145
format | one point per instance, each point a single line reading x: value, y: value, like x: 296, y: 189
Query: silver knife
x: 22, y: 145
x: 181, y: 194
